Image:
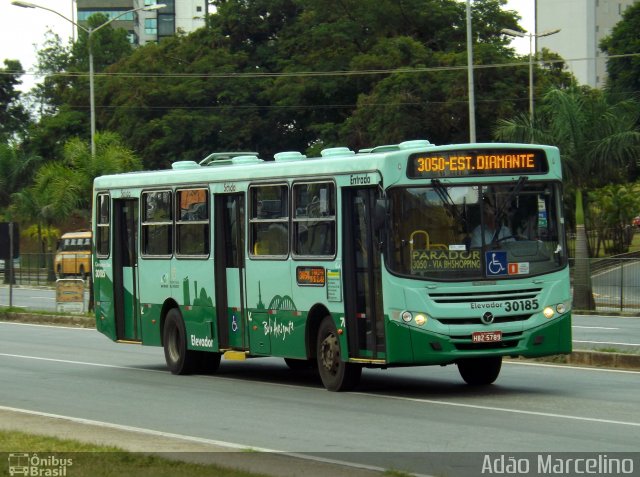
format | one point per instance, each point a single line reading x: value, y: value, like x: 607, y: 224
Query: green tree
x: 16, y: 171
x: 67, y: 185
x: 32, y: 206
x: 612, y: 209
x: 13, y: 116
x: 599, y: 144
x: 624, y: 71
x: 64, y: 93
x: 283, y: 75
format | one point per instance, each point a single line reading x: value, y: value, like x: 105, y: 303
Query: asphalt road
x: 262, y: 404
x: 606, y: 333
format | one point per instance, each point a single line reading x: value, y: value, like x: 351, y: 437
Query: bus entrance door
x: 229, y: 270
x: 362, y: 274
x: 125, y: 267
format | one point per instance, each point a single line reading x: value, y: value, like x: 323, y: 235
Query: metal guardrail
x: 615, y: 282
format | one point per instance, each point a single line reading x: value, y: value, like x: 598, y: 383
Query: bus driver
x: 490, y: 228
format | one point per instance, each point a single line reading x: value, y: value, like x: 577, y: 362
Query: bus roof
x: 247, y: 166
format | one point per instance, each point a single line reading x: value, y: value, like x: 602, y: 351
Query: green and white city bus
x: 399, y: 255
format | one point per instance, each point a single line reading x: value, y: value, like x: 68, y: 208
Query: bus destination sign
x: 310, y: 276
x: 476, y: 163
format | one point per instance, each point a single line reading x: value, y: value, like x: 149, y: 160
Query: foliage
x: 597, y: 135
x: 91, y: 460
x: 68, y: 184
x: 599, y: 143
x: 16, y: 171
x: 64, y: 93
x: 13, y: 115
x: 624, y: 71
x: 279, y: 75
x: 612, y: 209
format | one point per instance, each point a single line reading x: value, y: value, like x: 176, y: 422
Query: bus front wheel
x: 179, y: 359
x: 336, y: 374
x: 480, y: 371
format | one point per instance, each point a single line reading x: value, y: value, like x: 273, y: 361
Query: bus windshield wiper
x: 447, y: 200
x: 501, y: 213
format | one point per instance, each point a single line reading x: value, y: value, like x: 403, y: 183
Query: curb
x: 80, y: 321
x: 604, y: 360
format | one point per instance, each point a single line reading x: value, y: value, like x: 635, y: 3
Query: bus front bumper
x: 428, y: 348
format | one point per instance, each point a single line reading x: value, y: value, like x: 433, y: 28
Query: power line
x: 304, y: 74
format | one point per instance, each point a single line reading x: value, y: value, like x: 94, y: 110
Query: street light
x: 470, y: 87
x: 90, y: 31
x: 520, y: 34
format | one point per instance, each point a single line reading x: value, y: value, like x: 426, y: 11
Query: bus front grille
x: 471, y: 296
x: 478, y: 321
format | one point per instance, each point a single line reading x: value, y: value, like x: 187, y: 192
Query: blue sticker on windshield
x: 496, y: 263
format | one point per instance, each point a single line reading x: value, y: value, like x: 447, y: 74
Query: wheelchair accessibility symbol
x: 496, y: 263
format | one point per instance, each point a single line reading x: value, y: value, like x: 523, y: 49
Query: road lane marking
x: 503, y: 409
x: 47, y: 326
x: 607, y: 342
x: 595, y: 327
x: 570, y: 366
x: 82, y: 363
x: 400, y: 398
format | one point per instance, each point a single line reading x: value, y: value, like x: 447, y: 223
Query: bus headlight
x: 561, y: 308
x: 548, y: 312
x: 420, y: 319
x: 406, y: 316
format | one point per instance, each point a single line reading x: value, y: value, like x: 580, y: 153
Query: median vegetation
x: 90, y: 460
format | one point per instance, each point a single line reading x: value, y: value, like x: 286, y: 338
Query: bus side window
x: 314, y: 219
x: 269, y: 221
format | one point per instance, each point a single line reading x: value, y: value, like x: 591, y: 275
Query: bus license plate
x: 486, y: 336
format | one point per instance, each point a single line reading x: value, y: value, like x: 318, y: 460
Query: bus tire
x: 480, y: 371
x: 179, y: 359
x: 336, y: 374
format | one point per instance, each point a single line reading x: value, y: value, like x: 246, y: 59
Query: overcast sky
x: 23, y: 29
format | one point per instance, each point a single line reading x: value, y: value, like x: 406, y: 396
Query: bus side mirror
x: 380, y: 214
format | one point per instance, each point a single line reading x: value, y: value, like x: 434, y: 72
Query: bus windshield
x: 476, y: 231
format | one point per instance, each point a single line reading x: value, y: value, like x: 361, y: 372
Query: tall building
x: 582, y: 23
x: 145, y: 27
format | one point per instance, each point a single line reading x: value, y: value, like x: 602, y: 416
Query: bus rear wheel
x: 480, y: 371
x: 336, y: 374
x: 179, y: 359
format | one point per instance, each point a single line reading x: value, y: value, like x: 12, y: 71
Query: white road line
x: 572, y: 367
x: 607, y: 343
x: 503, y: 409
x: 47, y: 326
x: 401, y: 398
x: 594, y: 327
x: 82, y: 363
